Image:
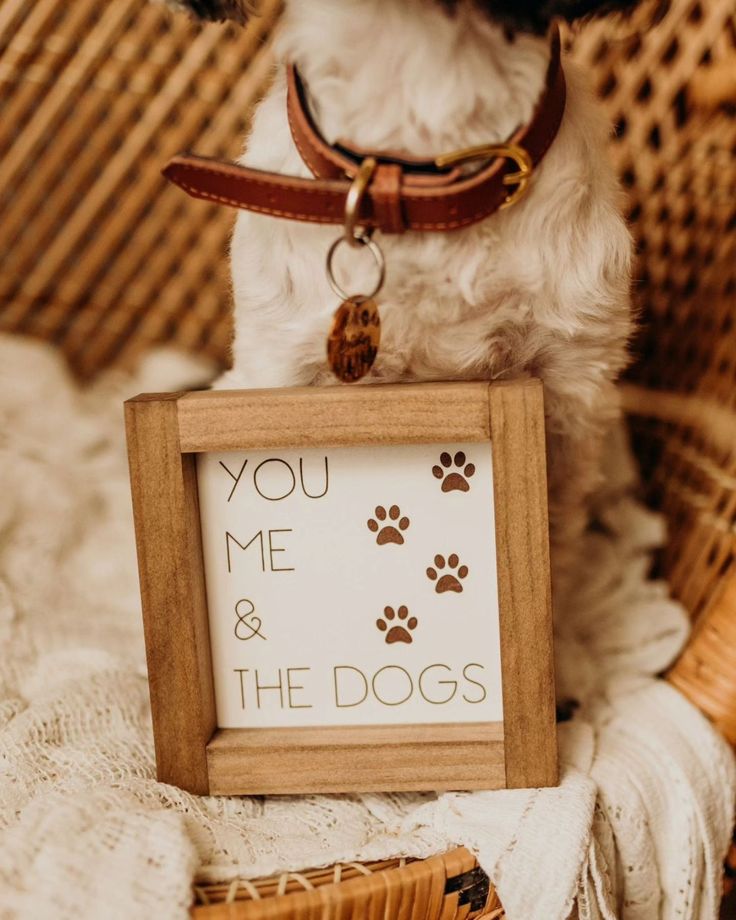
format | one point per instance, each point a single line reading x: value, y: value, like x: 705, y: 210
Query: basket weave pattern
x: 97, y: 253
x: 674, y: 149
x: 448, y: 887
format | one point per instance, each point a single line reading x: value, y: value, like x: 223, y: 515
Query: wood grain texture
x: 352, y: 344
x: 522, y: 538
x: 171, y: 570
x: 164, y: 433
x: 356, y: 759
x: 380, y: 414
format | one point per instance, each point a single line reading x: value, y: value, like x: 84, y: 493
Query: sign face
x: 352, y: 585
x: 346, y: 589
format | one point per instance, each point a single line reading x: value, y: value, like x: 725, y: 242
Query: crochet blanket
x: 637, y: 828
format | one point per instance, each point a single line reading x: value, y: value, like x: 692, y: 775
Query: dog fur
x: 541, y: 288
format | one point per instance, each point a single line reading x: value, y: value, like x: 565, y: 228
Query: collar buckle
x: 520, y: 178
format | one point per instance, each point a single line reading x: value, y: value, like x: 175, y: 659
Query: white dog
x: 541, y: 287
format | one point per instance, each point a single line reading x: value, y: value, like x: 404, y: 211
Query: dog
x: 539, y: 288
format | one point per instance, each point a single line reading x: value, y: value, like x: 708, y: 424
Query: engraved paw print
x: 398, y: 632
x: 388, y: 527
x: 454, y: 481
x: 447, y: 581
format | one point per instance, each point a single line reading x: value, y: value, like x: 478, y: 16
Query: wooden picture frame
x: 165, y: 433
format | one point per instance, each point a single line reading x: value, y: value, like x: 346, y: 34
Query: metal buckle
x: 514, y: 152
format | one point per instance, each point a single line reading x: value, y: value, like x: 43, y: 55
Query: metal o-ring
x: 375, y: 251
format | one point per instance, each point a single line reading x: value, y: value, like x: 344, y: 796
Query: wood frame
x: 166, y: 431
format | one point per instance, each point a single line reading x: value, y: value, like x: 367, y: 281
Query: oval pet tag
x: 352, y: 344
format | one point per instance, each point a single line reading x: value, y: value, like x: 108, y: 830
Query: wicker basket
x: 100, y: 257
x: 446, y: 887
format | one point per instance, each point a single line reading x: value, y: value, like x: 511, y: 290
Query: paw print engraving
x: 447, y: 581
x: 388, y: 527
x: 398, y: 632
x: 454, y: 481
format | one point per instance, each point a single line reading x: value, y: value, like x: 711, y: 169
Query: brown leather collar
x: 403, y: 194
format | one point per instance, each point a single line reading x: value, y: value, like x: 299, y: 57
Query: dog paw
x: 388, y: 527
x: 447, y: 581
x: 452, y: 480
x: 398, y: 632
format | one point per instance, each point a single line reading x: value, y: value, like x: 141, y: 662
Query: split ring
x: 361, y: 240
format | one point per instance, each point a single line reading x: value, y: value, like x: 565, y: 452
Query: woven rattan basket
x: 98, y: 256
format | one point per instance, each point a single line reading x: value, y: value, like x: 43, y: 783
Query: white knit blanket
x: 637, y: 828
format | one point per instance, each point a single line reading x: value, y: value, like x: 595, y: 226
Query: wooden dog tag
x: 352, y: 344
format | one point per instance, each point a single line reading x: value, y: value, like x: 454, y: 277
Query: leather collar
x: 403, y: 193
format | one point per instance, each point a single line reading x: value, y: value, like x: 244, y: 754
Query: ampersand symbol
x: 247, y: 620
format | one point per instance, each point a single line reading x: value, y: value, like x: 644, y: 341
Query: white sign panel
x: 352, y: 586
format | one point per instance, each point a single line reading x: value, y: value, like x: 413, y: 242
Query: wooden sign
x: 346, y: 589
